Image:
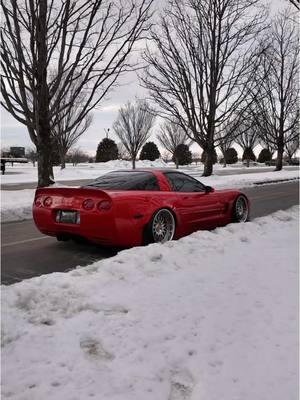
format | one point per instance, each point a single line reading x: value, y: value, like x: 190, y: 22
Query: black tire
x: 161, y: 227
x: 240, y: 211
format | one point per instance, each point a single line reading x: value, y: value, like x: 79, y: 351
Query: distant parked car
x: 130, y: 208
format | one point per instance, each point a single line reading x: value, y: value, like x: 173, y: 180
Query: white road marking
x: 24, y: 241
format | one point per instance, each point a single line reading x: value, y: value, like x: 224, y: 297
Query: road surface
x: 27, y: 253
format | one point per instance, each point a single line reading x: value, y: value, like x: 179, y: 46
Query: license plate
x: 68, y: 217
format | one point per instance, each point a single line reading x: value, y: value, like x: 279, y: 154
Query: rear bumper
x: 100, y: 228
x: 96, y: 227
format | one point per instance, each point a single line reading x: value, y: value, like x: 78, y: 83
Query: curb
x: 276, y: 181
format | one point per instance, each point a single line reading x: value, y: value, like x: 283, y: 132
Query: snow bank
x: 212, y: 316
x: 16, y: 204
x: 246, y: 180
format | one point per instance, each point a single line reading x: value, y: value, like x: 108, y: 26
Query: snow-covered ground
x: 16, y: 205
x: 22, y: 173
x: 212, y: 316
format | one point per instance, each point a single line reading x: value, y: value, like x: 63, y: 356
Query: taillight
x: 38, y: 201
x: 104, y: 205
x: 88, y: 204
x: 47, y: 201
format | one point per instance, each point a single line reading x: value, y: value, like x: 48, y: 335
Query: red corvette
x: 129, y: 208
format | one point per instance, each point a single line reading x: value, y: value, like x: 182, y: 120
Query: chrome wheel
x: 241, y: 209
x: 163, y: 226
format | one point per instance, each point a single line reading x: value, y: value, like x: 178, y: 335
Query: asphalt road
x: 27, y: 253
x: 194, y: 171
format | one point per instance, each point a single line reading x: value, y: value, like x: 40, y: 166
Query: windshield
x: 124, y: 180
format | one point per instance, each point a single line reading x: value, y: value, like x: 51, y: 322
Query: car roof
x: 154, y: 170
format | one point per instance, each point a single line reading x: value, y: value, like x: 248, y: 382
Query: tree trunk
x: 44, y: 143
x: 224, y: 160
x: 176, y: 163
x: 133, y: 162
x: 62, y: 157
x: 209, y: 159
x: 280, y: 152
x: 280, y: 140
x: 45, y: 170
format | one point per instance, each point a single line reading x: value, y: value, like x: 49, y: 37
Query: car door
x: 198, y: 208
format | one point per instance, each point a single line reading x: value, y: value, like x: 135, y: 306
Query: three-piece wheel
x: 240, y: 209
x: 161, y: 227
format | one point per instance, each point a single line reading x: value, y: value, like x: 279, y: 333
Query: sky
x: 15, y: 134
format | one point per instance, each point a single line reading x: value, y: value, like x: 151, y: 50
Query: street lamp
x: 107, y: 132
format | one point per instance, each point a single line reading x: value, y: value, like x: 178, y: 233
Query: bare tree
x: 31, y: 154
x: 68, y: 127
x: 133, y: 126
x: 86, y: 40
x: 246, y: 136
x: 295, y: 3
x: 76, y: 156
x: 276, y: 108
x: 123, y: 153
x: 170, y: 136
x: 267, y: 145
x: 292, y: 147
x: 205, y: 56
x: 225, y: 138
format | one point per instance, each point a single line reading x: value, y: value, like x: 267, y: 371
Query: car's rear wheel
x: 240, y: 209
x: 161, y: 227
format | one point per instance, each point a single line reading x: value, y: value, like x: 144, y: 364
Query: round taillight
x: 47, y: 201
x: 88, y: 204
x: 104, y: 205
x: 38, y: 201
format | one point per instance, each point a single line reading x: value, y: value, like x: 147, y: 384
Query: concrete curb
x: 275, y: 181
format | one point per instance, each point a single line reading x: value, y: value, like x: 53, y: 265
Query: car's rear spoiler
x: 70, y: 191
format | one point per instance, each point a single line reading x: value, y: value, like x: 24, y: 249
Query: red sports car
x: 129, y: 208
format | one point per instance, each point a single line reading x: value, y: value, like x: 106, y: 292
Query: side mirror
x: 209, y: 189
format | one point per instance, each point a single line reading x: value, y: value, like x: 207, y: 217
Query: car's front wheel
x: 161, y: 227
x: 240, y: 209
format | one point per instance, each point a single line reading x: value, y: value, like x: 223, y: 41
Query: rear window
x: 123, y: 180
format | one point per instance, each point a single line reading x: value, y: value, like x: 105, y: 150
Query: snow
x: 16, y: 204
x: 211, y: 316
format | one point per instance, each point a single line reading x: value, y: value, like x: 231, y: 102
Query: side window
x: 184, y: 183
x: 147, y: 184
x: 151, y: 184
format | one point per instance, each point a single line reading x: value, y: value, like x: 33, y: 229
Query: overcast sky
x: 15, y: 134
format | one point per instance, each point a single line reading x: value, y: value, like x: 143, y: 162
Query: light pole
x: 107, y: 132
